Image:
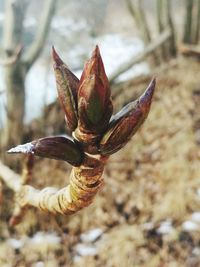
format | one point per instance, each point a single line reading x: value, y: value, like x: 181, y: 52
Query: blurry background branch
x: 35, y: 48
x: 190, y: 50
x: 187, y: 38
x: 192, y: 22
x: 12, y: 59
x: 147, y: 51
x: 10, y: 178
x: 137, y: 11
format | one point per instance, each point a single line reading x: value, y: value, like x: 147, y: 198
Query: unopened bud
x: 94, y: 103
x: 58, y: 147
x: 67, y: 87
x: 126, y: 122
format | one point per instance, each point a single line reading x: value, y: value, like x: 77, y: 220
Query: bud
x: 57, y: 147
x: 67, y: 87
x: 126, y: 122
x: 94, y: 103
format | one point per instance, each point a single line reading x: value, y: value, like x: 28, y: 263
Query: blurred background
x: 148, y: 213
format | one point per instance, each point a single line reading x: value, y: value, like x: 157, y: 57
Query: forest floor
x: 147, y: 214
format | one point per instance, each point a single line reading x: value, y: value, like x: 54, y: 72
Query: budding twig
x: 95, y: 136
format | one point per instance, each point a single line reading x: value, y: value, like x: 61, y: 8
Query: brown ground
x: 154, y: 179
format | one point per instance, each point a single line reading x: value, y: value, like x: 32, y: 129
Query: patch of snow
x: 2, y: 17
x: 118, y: 49
x: 66, y: 26
x: 38, y: 264
x: 16, y: 243
x: 136, y: 70
x: 148, y: 226
x: 196, y: 217
x: 196, y: 251
x: 40, y: 90
x: 48, y: 238
x: 91, y: 235
x: 85, y: 250
x: 165, y: 228
x: 190, y: 226
x: 26, y: 148
x: 30, y: 22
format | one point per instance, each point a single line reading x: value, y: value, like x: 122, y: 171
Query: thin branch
x: 122, y: 87
x: 172, y: 42
x: 10, y: 178
x: 137, y: 59
x: 160, y: 24
x: 13, y: 27
x: 43, y: 28
x: 197, y: 26
x: 190, y: 50
x: 137, y: 11
x: 188, y: 22
x: 12, y: 59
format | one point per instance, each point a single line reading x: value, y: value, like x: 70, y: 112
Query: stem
x: 85, y: 182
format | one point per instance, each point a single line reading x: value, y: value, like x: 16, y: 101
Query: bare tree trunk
x: 172, y: 40
x: 188, y: 22
x: 197, y: 23
x: 137, y: 12
x: 14, y: 78
x: 15, y: 72
x: 161, y: 25
x: 164, y: 20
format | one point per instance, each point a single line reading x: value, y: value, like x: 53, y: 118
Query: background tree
x: 19, y: 60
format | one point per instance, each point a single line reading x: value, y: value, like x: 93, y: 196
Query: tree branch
x: 12, y: 59
x: 137, y: 59
x: 10, y: 178
x: 44, y: 25
x: 190, y: 50
x: 85, y: 182
x: 13, y: 27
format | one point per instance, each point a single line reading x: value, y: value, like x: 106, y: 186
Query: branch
x: 12, y: 59
x: 188, y: 22
x: 2, y: 92
x: 172, y: 41
x: 137, y: 13
x: 197, y: 22
x: 10, y: 178
x: 190, y: 50
x: 85, y: 182
x: 137, y: 59
x: 122, y: 88
x: 13, y: 27
x: 43, y: 28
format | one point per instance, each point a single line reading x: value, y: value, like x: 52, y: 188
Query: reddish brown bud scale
x: 55, y: 147
x: 94, y: 103
x: 67, y: 87
x: 126, y: 122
